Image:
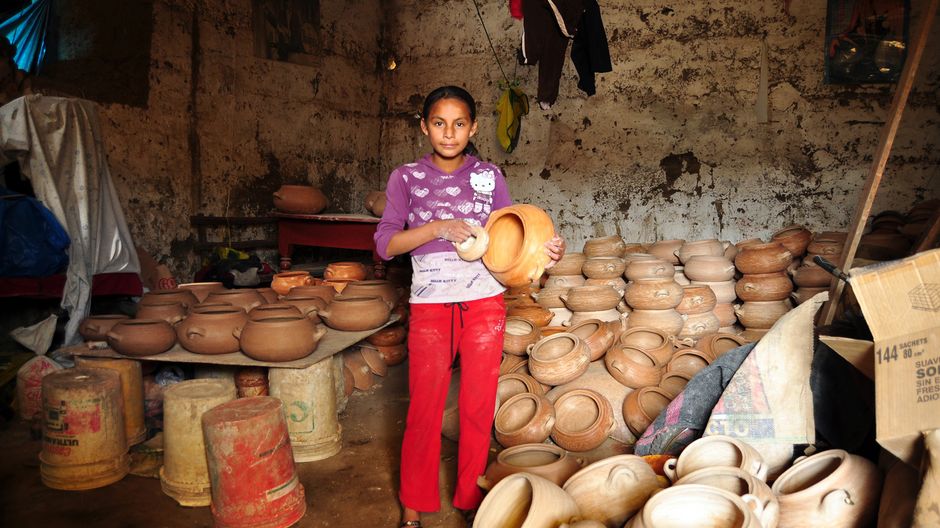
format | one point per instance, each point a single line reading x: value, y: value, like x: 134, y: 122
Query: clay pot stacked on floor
x: 884, y: 241
x: 704, y: 263
x: 698, y: 306
x: 653, y: 302
x: 565, y: 274
x: 811, y: 279
x: 609, y: 246
x: 592, y: 302
x: 767, y: 295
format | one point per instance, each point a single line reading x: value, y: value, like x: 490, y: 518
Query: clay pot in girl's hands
x: 666, y: 250
x: 374, y: 288
x: 300, y: 199
x: 696, y: 299
x: 764, y: 286
x: 95, y: 327
x: 761, y: 314
x: 582, y: 420
x: 202, y: 289
x: 795, y: 238
x: 525, y: 418
x: 280, y: 338
x: 653, y: 294
x: 265, y: 311
x: 283, y: 282
x: 544, y: 460
x: 613, y: 489
x: 141, y: 337
x: 558, y: 359
x: 569, y: 264
x: 474, y: 246
x: 763, y: 258
x: 591, y: 298
x: 609, y: 246
x: 171, y: 312
x: 355, y: 271
x: 212, y: 331
x: 633, y: 367
x: 831, y: 488
x: 707, y: 247
x: 595, y: 334
x: 518, y: 234
x: 245, y: 299
x: 355, y: 314
x: 709, y: 268
x: 642, y: 406
x: 185, y: 297
x: 649, y: 269
x: 603, y: 267
x: 519, y: 334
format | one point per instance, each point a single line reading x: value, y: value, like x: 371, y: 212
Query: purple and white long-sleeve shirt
x: 419, y: 193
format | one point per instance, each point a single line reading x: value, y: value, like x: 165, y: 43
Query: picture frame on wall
x: 866, y: 40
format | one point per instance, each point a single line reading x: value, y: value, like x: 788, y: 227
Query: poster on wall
x: 866, y: 40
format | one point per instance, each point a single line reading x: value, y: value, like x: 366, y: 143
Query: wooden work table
x: 344, y: 231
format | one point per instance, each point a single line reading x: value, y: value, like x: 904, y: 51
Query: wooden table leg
x: 286, y: 250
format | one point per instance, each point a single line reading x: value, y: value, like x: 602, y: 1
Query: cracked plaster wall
x: 670, y: 146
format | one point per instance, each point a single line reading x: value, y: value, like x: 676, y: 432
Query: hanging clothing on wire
x: 512, y: 105
x: 589, y: 51
x: 547, y: 26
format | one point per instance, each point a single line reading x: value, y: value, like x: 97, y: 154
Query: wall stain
x: 674, y: 165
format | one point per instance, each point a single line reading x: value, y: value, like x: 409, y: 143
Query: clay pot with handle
x: 609, y: 246
x: 642, y: 406
x: 524, y: 419
x: 696, y: 299
x: 558, y: 358
x: 536, y: 314
x: 717, y: 450
x: 689, y: 361
x: 666, y: 250
x: 742, y: 484
x: 544, y: 460
x: 649, y: 269
x: 212, y: 332
x: 355, y: 314
x: 309, y: 307
x: 583, y: 418
x: 613, y: 489
x: 653, y: 294
x: 378, y: 288
x: 595, y: 335
x: 706, y: 247
x: 185, y: 297
x: 171, y: 312
x: 345, y: 270
x: 95, y: 327
x: 771, y: 257
x: 514, y: 383
x: 669, y: 321
x: 698, y: 325
x: 279, y: 338
x: 283, y: 282
x: 518, y: 234
x: 569, y: 264
x: 653, y: 340
x: 633, y: 367
x: 266, y: 311
x: 300, y: 199
x: 603, y: 267
x: 795, y: 238
x: 141, y: 337
x: 701, y: 506
x: 323, y: 291
x: 718, y: 344
x: 761, y: 314
x: 525, y: 500
x: 591, y: 298
x: 764, y: 287
x: 519, y: 334
x: 709, y: 268
x: 723, y: 290
x: 564, y: 281
x: 202, y: 289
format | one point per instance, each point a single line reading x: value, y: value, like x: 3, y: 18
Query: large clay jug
x: 518, y: 233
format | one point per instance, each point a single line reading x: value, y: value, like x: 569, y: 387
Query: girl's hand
x: 452, y: 230
x: 555, y: 249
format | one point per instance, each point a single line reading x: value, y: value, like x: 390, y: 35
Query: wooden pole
x: 867, y: 197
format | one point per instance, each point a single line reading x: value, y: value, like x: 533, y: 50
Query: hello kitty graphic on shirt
x: 483, y: 183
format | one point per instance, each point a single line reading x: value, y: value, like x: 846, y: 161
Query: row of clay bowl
x: 643, y: 359
x: 716, y: 481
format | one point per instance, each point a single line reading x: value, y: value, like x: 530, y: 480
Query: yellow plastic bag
x: 512, y: 105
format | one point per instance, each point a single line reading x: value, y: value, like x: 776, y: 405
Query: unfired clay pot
x: 526, y: 501
x: 652, y: 340
x: 283, y: 282
x: 171, y: 312
x: 653, y: 294
x: 211, y: 331
x: 545, y: 460
x: 300, y: 199
x: 525, y: 419
x: 649, y: 269
x: 831, y: 488
x: 609, y: 246
x: 674, y: 382
x: 355, y: 314
x: 633, y: 367
x: 141, y: 337
x: 642, y: 406
x: 707, y: 247
x: 95, y: 327
x: 742, y: 484
x: 583, y: 418
x: 591, y: 298
x: 666, y: 250
x: 717, y: 450
x: 268, y: 294
x: 352, y: 271
x: 323, y: 291
x: 519, y: 334
x: 516, y: 383
x: 689, y: 361
x: 763, y: 258
x: 725, y: 314
x: 280, y: 338
x: 202, y: 289
x: 709, y: 268
x: 612, y: 316
x: 761, y: 314
x: 185, y: 297
x: 699, y: 506
x: 669, y: 321
x: 538, y: 315
x: 795, y: 238
x: 564, y: 281
x: 696, y: 299
x: 698, y: 325
x: 393, y: 354
x: 518, y: 234
x: 265, y: 311
x: 558, y: 359
x: 763, y: 287
x: 802, y: 295
x: 811, y: 276
x: 246, y: 299
x: 309, y: 307
x: 613, y: 489
x: 718, y: 344
x: 603, y: 267
x: 378, y: 288
x: 723, y: 290
x: 569, y: 264
x: 595, y: 335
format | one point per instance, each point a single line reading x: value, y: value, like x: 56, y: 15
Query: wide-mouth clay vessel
x: 95, y: 327
x: 516, y: 254
x: 212, y: 331
x: 355, y: 314
x: 279, y: 338
x: 141, y: 337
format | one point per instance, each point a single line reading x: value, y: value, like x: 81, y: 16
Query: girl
x: 456, y: 306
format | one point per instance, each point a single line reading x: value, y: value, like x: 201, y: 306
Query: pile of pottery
x: 714, y: 478
x: 809, y: 277
x: 764, y: 285
x: 917, y: 219
x: 300, y: 199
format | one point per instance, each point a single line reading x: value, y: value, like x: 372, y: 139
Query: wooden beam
x: 928, y: 239
x: 867, y: 197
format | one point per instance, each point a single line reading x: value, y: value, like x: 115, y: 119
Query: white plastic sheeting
x: 58, y: 144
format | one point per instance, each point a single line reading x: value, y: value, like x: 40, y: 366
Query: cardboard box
x: 901, y: 303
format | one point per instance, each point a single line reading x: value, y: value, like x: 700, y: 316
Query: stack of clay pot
x: 811, y: 279
x: 884, y: 241
x: 564, y: 275
x: 766, y: 287
x: 665, y: 250
x: 917, y: 219
x: 705, y: 265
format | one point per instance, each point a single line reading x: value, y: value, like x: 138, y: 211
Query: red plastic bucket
x: 251, y: 465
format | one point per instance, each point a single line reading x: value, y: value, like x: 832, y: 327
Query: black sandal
x: 410, y: 524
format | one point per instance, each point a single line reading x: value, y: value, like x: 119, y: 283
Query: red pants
x: 474, y: 329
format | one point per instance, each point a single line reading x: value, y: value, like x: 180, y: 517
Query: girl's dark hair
x: 449, y: 92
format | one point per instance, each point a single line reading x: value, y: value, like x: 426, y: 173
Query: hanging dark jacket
x: 589, y: 51
x: 547, y: 25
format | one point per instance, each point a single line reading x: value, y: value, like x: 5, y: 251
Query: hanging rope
x: 492, y: 47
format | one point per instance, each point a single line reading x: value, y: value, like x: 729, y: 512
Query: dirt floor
x: 355, y: 488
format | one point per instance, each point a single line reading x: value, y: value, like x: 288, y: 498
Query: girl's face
x: 449, y: 128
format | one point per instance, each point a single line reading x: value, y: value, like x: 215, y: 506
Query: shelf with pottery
x: 333, y: 342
